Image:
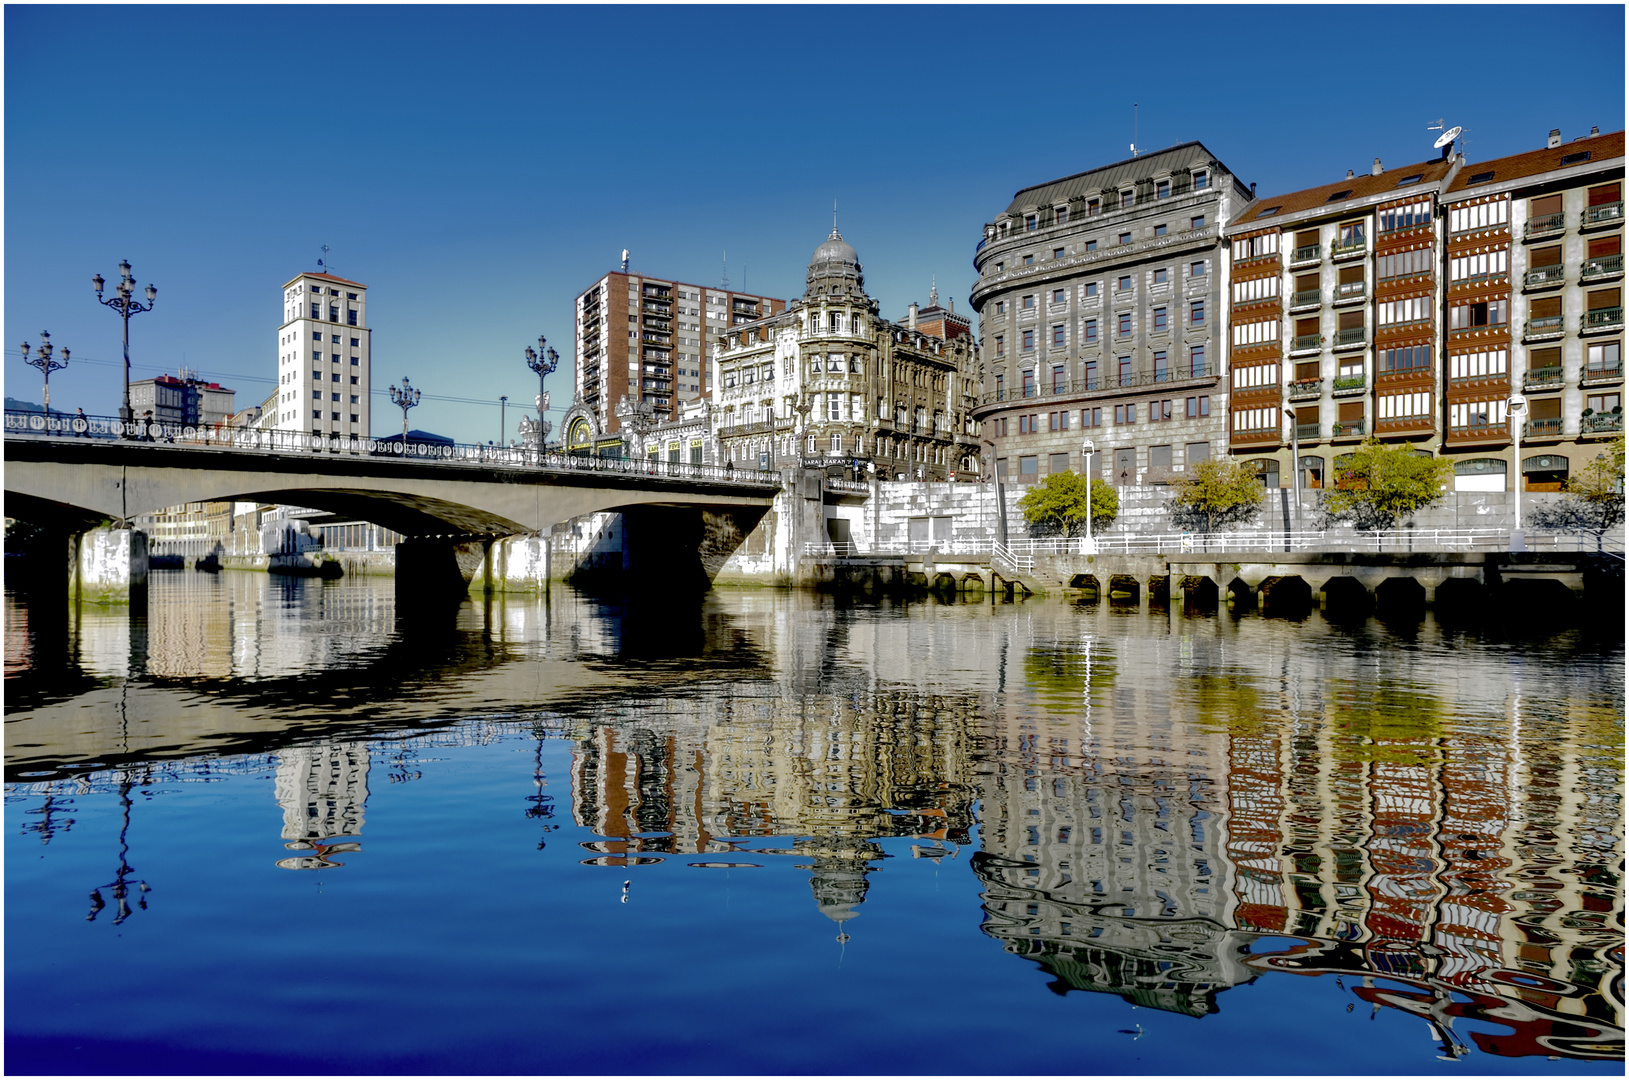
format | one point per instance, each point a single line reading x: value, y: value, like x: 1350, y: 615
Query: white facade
x: 324, y: 348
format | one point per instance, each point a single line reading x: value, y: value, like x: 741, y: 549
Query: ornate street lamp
x: 1295, y: 464
x: 1517, y: 408
x: 125, y: 303
x: 46, y: 364
x: 405, y: 398
x: 639, y: 417
x: 1088, y: 545
x: 543, y: 360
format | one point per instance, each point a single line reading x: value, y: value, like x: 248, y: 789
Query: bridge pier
x: 438, y: 567
x: 108, y: 566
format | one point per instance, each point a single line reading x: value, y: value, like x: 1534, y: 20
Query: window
x: 1091, y: 374
x: 1196, y: 361
x: 1125, y: 238
x: 1248, y: 378
x: 1201, y: 180
x: 350, y: 317
x: 1161, y: 276
x: 1029, y: 223
x: 1091, y: 288
x: 1057, y: 253
x: 356, y: 343
x: 316, y: 335
x: 1160, y: 229
x: 1125, y: 323
x: 354, y: 380
x: 1578, y: 158
x: 1413, y: 310
x: 1483, y: 364
x: 1057, y: 463
x: 1026, y: 465
x: 1403, y: 217
x: 316, y: 310
x: 1606, y: 356
x: 1404, y: 406
x: 1029, y: 384
x: 1063, y: 214
x: 355, y: 362
x: 1418, y: 261
x: 1269, y: 212
x: 1000, y: 266
x: 316, y: 395
x: 1029, y: 260
x: 336, y: 377
x: 1197, y: 407
x: 1196, y: 313
x: 1057, y: 421
x: 1483, y: 313
x: 1196, y: 270
x: 1160, y: 321
x: 1124, y: 363
x: 333, y: 313
x: 317, y: 357
x: 1162, y: 189
x: 350, y: 296
x: 1057, y: 336
x: 1058, y: 296
x: 334, y: 397
x: 1411, y: 358
x: 1028, y: 301
x: 353, y: 418
x: 1125, y: 414
x: 316, y: 414
x: 354, y: 400
x: 1058, y: 384
x: 1158, y: 411
x: 1091, y: 418
x: 1251, y: 247
x: 1090, y: 332
x: 1125, y: 283
x: 1029, y: 341
x: 316, y: 376
x: 1339, y: 196
x: 1000, y: 350
x: 1091, y: 245
x: 1412, y: 178
x: 1127, y: 198
x: 1161, y: 368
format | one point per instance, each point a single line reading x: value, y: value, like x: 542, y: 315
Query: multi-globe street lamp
x: 125, y: 303
x: 405, y: 398
x: 542, y: 360
x: 46, y: 363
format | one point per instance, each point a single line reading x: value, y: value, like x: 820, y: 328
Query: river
x: 289, y: 826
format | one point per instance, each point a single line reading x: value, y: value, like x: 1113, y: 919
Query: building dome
x: 835, y: 270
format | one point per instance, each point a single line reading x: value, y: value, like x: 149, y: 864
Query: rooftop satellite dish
x: 1446, y: 137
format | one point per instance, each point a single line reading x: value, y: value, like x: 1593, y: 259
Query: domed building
x: 830, y: 384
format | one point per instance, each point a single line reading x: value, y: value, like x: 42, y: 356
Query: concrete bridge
x: 452, y: 505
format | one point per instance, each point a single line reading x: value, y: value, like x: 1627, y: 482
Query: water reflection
x: 1163, y: 807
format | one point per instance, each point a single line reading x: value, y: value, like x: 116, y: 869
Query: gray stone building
x: 1100, y: 298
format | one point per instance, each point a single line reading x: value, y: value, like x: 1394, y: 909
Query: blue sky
x: 477, y: 167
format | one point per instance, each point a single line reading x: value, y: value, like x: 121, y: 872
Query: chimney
x: 1377, y: 170
x: 953, y: 305
x: 1594, y: 131
x: 912, y: 320
x: 1555, y: 139
x: 1252, y: 189
x: 1350, y: 174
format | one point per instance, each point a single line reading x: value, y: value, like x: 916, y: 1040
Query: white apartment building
x: 323, y: 358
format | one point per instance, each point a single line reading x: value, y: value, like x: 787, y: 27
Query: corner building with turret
x: 831, y: 383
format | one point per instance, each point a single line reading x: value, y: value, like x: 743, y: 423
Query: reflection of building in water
x: 323, y: 790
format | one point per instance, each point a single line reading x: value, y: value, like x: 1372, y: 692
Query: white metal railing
x: 1024, y: 564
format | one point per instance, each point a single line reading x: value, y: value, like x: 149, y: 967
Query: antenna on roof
x: 1133, y: 129
x: 323, y: 262
x: 724, y: 282
x: 624, y: 260
x: 1445, y: 141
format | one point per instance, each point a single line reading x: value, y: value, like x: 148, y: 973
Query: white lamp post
x: 1295, y: 465
x: 1518, y: 409
x: 1088, y: 545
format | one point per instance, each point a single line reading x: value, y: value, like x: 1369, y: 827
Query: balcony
x: 1542, y: 327
x: 1346, y: 249
x: 1602, y: 374
x: 1601, y: 424
x: 1603, y: 268
x: 1306, y: 298
x: 1350, y: 292
x: 1347, y: 385
x: 1603, y: 216
x: 1544, y: 378
x: 1307, y: 253
x: 1545, y: 277
x: 1351, y: 337
x: 1547, y: 428
x: 1603, y: 319
x: 1312, y: 431
x: 1302, y: 389
x: 1306, y: 343
x: 1548, y: 225
x: 1347, y: 429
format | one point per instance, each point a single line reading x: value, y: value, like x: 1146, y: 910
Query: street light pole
x: 46, y: 364
x: 1518, y: 409
x: 126, y: 305
x: 1089, y: 546
x: 406, y: 398
x: 1295, y: 465
x: 542, y: 360
x: 503, y: 404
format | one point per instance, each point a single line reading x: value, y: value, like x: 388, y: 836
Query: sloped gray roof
x: 1119, y: 174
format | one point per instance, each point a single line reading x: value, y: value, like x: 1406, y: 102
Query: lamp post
x: 1295, y: 465
x: 542, y: 360
x: 639, y: 417
x: 1518, y: 409
x: 125, y: 303
x: 405, y: 398
x: 1088, y: 545
x: 46, y: 363
x: 503, y: 404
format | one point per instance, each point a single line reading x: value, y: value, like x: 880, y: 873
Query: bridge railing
x: 215, y: 437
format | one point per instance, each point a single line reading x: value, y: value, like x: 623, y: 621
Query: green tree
x: 1383, y: 485
x: 1058, y: 504
x: 1215, y: 494
x: 1593, y: 504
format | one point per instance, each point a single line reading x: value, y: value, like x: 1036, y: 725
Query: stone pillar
x: 437, y: 568
x: 109, y: 566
